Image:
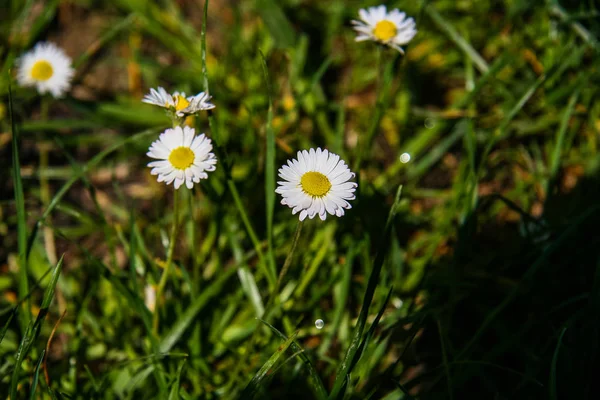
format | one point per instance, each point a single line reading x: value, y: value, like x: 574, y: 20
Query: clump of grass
x: 468, y: 262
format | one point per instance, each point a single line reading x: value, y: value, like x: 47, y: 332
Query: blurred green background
x: 490, y: 123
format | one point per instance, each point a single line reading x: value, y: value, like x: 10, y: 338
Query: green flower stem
x: 383, y: 87
x: 288, y: 260
x: 44, y: 150
x: 165, y: 275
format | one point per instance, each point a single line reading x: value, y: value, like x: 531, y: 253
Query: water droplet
x: 429, y: 123
x: 397, y: 302
x: 319, y: 323
x: 404, y: 158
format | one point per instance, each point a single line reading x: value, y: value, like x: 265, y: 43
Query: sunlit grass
x: 467, y: 263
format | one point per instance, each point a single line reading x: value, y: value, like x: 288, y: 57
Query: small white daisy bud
x: 178, y: 102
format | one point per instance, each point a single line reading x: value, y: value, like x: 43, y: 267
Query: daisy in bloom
x: 317, y: 182
x: 47, y: 67
x: 182, y: 157
x: 178, y: 102
x: 392, y: 29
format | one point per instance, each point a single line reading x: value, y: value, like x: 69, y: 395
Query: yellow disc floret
x: 42, y: 70
x: 385, y: 30
x: 180, y: 102
x: 181, y: 157
x: 315, y: 184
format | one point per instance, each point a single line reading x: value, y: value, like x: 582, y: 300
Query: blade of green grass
x: 560, y: 137
x: 316, y: 382
x: 445, y: 359
x: 269, y: 168
x: 465, y: 46
x: 189, y: 315
x: 277, y: 23
x: 371, y: 331
x: 7, y: 324
x: 246, y: 277
x: 33, y: 329
x: 36, y: 376
x: 341, y: 298
x: 344, y: 368
x: 20, y: 356
x: 552, y: 383
x: 174, y: 394
x: 25, y: 315
x: 577, y: 27
x: 258, y: 379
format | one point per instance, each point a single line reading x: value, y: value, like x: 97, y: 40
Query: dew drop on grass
x: 319, y: 324
x: 404, y: 158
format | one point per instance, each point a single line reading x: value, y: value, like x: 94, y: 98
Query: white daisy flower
x: 47, y: 67
x: 178, y: 102
x: 199, y: 102
x: 392, y: 29
x: 316, y: 183
x: 182, y: 157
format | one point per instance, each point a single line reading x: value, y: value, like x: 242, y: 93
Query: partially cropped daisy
x: 392, y: 29
x: 182, y: 157
x: 179, y: 102
x: 316, y: 183
x: 47, y: 67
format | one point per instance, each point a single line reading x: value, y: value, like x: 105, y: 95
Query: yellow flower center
x: 315, y: 184
x: 385, y: 30
x: 42, y: 70
x: 181, y: 157
x: 181, y: 103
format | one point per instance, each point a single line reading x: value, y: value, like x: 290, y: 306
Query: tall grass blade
x: 269, y: 168
x: 465, y: 46
x: 36, y: 375
x: 370, y: 332
x: 254, y: 386
x: 315, y: 380
x: 189, y: 315
x: 345, y: 367
x: 33, y: 329
x: 553, y: 384
x: 174, y: 393
x: 25, y: 314
x: 277, y: 23
x: 7, y: 324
